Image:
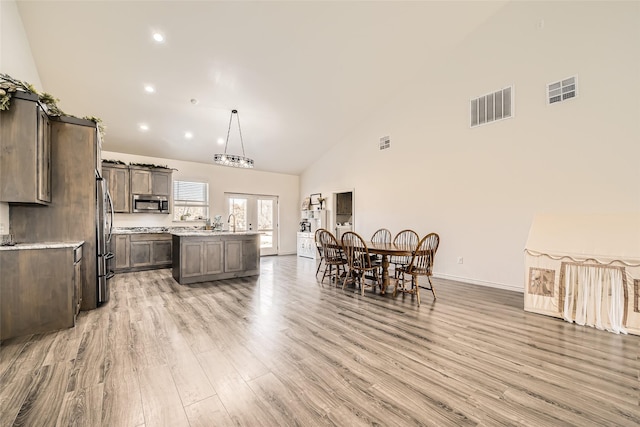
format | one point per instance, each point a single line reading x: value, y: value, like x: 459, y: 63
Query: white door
x: 254, y: 212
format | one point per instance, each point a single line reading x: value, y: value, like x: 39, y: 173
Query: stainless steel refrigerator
x: 104, y: 229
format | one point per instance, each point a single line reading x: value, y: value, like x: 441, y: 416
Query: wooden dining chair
x: 332, y: 253
x: 421, y: 265
x: 359, y: 261
x: 319, y: 248
x: 381, y: 236
x: 407, y: 238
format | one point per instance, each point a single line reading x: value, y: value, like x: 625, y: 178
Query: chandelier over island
x: 233, y: 160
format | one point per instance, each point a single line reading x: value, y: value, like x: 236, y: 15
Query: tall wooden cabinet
x: 72, y: 213
x: 25, y: 145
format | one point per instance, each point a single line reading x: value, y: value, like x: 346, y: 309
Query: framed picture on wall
x: 315, y: 198
x: 306, y: 204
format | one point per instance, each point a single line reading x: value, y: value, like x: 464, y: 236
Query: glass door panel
x: 256, y: 213
x: 238, y: 207
x: 266, y: 208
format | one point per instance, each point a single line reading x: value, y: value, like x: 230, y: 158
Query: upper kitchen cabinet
x: 117, y: 178
x: 25, y: 145
x: 153, y: 181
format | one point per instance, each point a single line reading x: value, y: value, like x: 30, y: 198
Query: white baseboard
x: 479, y: 282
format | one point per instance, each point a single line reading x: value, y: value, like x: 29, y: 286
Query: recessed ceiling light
x: 149, y: 89
x: 220, y: 141
x: 143, y: 127
x: 158, y: 37
x: 188, y: 135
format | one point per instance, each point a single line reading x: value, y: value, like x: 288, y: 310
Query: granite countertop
x: 186, y: 233
x: 43, y: 245
x: 179, y: 231
x: 138, y: 230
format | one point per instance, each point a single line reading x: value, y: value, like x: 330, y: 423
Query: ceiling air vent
x: 562, y: 90
x: 385, y: 142
x: 492, y: 107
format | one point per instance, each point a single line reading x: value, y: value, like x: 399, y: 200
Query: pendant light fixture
x: 233, y: 160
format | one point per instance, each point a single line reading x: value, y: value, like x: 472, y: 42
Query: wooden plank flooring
x: 285, y: 349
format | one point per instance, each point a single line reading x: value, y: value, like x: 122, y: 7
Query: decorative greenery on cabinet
x: 9, y: 86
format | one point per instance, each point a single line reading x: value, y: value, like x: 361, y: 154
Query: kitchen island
x: 203, y: 256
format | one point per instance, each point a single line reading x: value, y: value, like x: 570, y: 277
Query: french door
x: 255, y: 212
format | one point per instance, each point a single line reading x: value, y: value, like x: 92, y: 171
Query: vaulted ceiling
x: 300, y: 73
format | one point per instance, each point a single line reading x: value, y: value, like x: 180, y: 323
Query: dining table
x: 387, y: 250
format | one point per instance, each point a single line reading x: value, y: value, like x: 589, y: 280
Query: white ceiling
x: 301, y: 74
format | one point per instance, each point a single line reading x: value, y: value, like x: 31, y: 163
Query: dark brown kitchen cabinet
x: 233, y: 258
x: 140, y: 180
x: 25, y: 145
x: 154, y: 181
x: 72, y: 213
x: 161, y: 252
x: 42, y: 299
x: 142, y: 251
x: 191, y: 262
x: 121, y: 248
x: 161, y: 183
x: 117, y: 177
x: 200, y: 257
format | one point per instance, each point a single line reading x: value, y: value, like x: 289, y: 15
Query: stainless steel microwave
x: 150, y: 204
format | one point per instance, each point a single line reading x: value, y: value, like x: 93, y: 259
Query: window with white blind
x: 190, y: 200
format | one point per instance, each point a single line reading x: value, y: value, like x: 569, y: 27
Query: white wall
x: 223, y: 179
x: 480, y: 188
x: 17, y: 61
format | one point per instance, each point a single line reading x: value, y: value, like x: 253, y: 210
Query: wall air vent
x: 491, y: 107
x: 562, y: 90
x: 385, y: 142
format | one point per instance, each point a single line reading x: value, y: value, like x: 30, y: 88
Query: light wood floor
x: 283, y: 349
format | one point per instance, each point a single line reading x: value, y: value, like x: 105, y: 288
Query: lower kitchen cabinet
x: 202, y: 258
x: 40, y: 288
x: 121, y: 249
x: 199, y: 257
x: 144, y: 251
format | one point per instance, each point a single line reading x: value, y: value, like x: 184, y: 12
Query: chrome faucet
x: 234, y: 221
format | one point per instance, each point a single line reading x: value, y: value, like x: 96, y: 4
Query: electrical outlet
x: 460, y: 260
